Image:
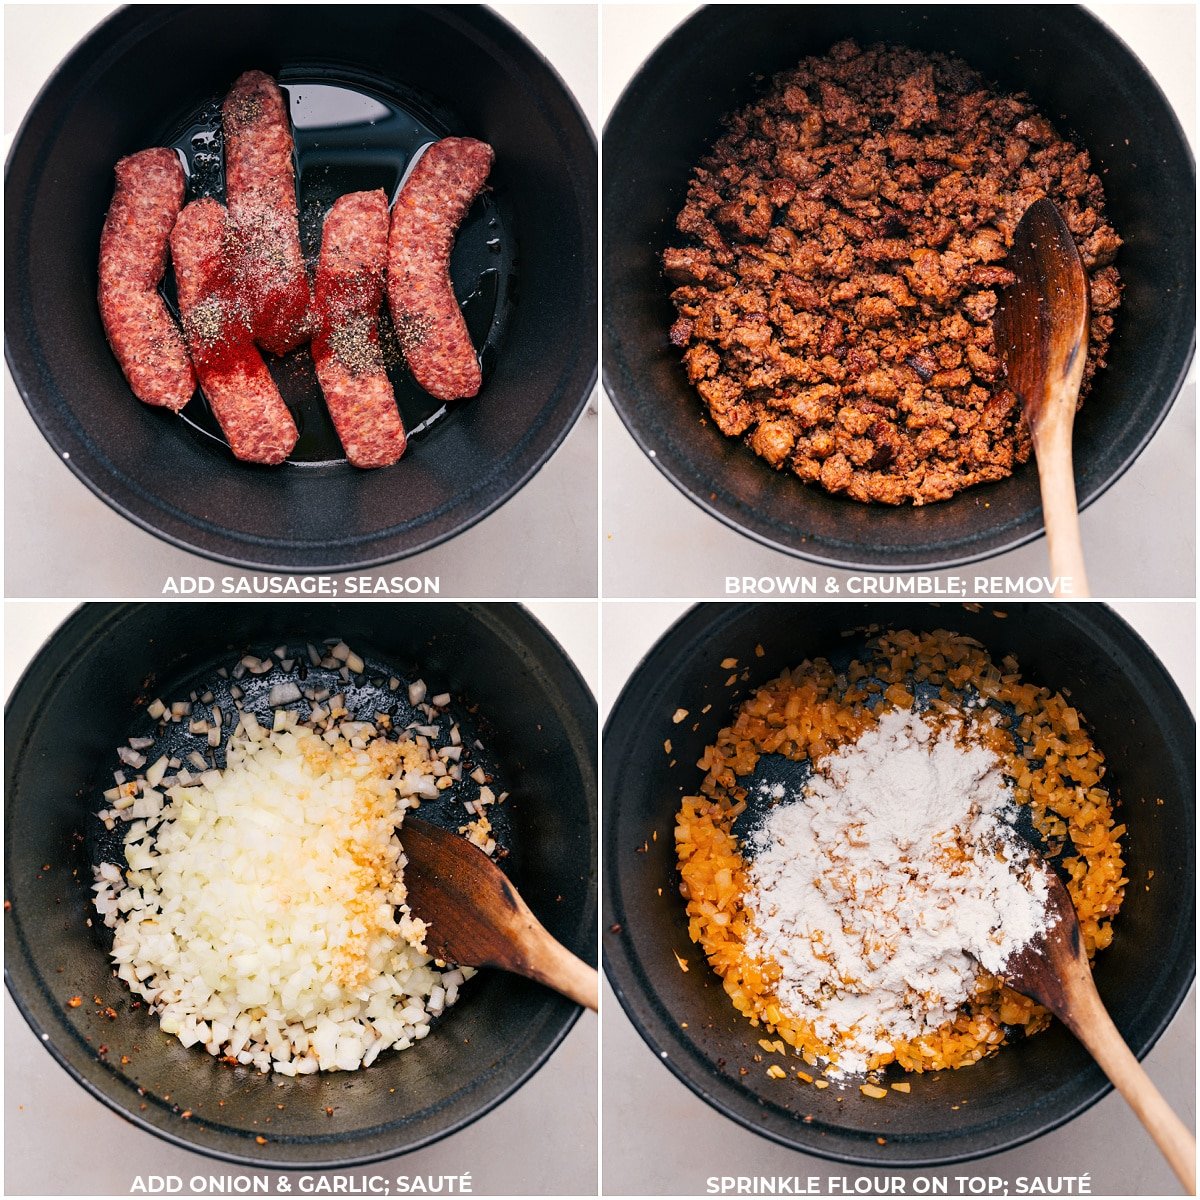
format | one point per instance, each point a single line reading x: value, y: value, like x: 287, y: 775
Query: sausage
x: 260, y: 190
x: 218, y: 325
x: 425, y: 218
x: 345, y: 346
x: 133, y: 258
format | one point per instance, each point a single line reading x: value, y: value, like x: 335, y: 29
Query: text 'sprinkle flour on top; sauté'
x: 882, y: 890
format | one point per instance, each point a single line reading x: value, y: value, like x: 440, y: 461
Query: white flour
x: 880, y: 891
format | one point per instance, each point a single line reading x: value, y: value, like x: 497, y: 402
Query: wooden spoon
x: 477, y: 919
x: 1041, y: 331
x: 1054, y: 970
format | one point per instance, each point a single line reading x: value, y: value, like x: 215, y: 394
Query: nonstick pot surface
x: 1079, y: 74
x: 525, y: 263
x: 1140, y: 722
x: 86, y: 693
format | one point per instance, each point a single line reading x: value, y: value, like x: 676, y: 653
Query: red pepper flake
x: 111, y: 1013
x: 8, y: 906
x: 186, y: 1114
x: 882, y: 1141
x: 329, y: 1112
x: 262, y: 1141
x: 102, y: 1050
x: 75, y: 1002
x: 125, y: 1060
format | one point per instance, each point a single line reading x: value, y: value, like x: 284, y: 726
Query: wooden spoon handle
x: 555, y: 966
x: 1056, y: 476
x: 1088, y: 1019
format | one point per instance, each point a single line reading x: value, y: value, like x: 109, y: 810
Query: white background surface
x: 1138, y: 539
x: 61, y: 540
x: 659, y: 1138
x: 58, y: 1140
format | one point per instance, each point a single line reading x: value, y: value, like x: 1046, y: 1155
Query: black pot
x: 137, y: 81
x: 1079, y: 74
x: 1139, y: 720
x: 76, y: 704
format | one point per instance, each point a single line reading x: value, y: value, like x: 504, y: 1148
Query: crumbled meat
x: 774, y: 441
x: 844, y: 255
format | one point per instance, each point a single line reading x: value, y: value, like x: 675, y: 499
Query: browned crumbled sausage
x: 844, y: 256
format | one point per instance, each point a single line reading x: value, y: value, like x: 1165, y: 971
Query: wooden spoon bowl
x: 476, y: 917
x: 1041, y: 330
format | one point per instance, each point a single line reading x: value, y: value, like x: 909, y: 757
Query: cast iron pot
x: 136, y: 81
x: 1079, y: 74
x: 1140, y: 722
x: 74, y: 706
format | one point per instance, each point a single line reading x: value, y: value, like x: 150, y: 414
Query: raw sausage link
x: 216, y: 321
x: 425, y: 218
x: 133, y: 257
x: 345, y: 345
x: 260, y: 190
